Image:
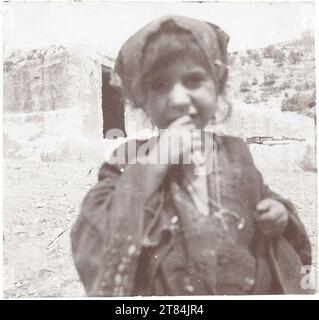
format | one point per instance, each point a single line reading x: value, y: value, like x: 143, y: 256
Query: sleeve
x: 107, y: 234
x: 295, y: 232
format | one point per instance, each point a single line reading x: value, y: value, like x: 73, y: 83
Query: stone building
x: 76, y: 80
x: 64, y: 93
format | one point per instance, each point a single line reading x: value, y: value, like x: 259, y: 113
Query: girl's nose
x: 179, y: 97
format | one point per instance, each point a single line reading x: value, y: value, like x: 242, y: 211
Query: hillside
x: 280, y: 76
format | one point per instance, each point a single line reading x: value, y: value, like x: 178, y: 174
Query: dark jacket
x: 108, y: 238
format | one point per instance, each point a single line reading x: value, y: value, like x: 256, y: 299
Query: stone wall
x: 38, y: 80
x: 57, y: 78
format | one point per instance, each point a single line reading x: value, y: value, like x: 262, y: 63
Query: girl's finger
x: 268, y: 216
x: 263, y: 206
x: 186, y: 119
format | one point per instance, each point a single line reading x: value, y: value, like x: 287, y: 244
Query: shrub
x: 7, y: 66
x: 295, y: 57
x: 271, y: 90
x: 257, y: 58
x: 279, y: 57
x: 285, y: 85
x: 304, y: 86
x: 251, y: 99
x: 264, y: 97
x: 300, y: 103
x: 270, y: 79
x: 244, y: 86
x: 292, y: 104
x: 269, y: 51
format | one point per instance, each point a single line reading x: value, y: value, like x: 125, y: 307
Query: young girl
x: 162, y: 229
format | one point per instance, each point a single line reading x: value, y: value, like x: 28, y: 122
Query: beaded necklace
x: 220, y: 210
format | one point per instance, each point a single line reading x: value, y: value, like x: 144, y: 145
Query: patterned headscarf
x: 211, y: 40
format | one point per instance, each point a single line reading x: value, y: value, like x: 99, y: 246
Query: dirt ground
x: 41, y: 202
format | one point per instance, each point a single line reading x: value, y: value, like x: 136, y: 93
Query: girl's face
x: 185, y: 87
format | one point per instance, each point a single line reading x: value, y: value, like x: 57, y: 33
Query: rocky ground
x: 41, y: 202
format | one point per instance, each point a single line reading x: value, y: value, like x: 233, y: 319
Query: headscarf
x: 211, y: 40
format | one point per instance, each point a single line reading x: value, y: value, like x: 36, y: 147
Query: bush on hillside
x: 268, y: 52
x: 301, y: 103
x: 285, y: 85
x: 257, y: 58
x: 250, y: 98
x: 244, y: 86
x: 270, y: 79
x: 279, y: 57
x: 304, y: 86
x: 271, y: 90
x: 254, y: 82
x: 264, y: 97
x: 295, y: 57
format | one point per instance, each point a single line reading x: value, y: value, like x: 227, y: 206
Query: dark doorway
x: 112, y: 105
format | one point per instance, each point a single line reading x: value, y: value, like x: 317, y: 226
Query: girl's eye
x: 194, y: 81
x: 158, y: 85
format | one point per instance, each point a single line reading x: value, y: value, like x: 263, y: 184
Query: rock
x: 43, y: 272
x: 308, y: 160
x: 31, y: 291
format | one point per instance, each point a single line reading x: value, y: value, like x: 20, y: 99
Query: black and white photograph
x: 159, y: 149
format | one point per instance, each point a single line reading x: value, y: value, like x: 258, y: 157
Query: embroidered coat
x: 124, y: 244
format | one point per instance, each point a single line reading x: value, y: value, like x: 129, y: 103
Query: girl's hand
x: 171, y: 152
x: 182, y: 127
x: 272, y: 217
